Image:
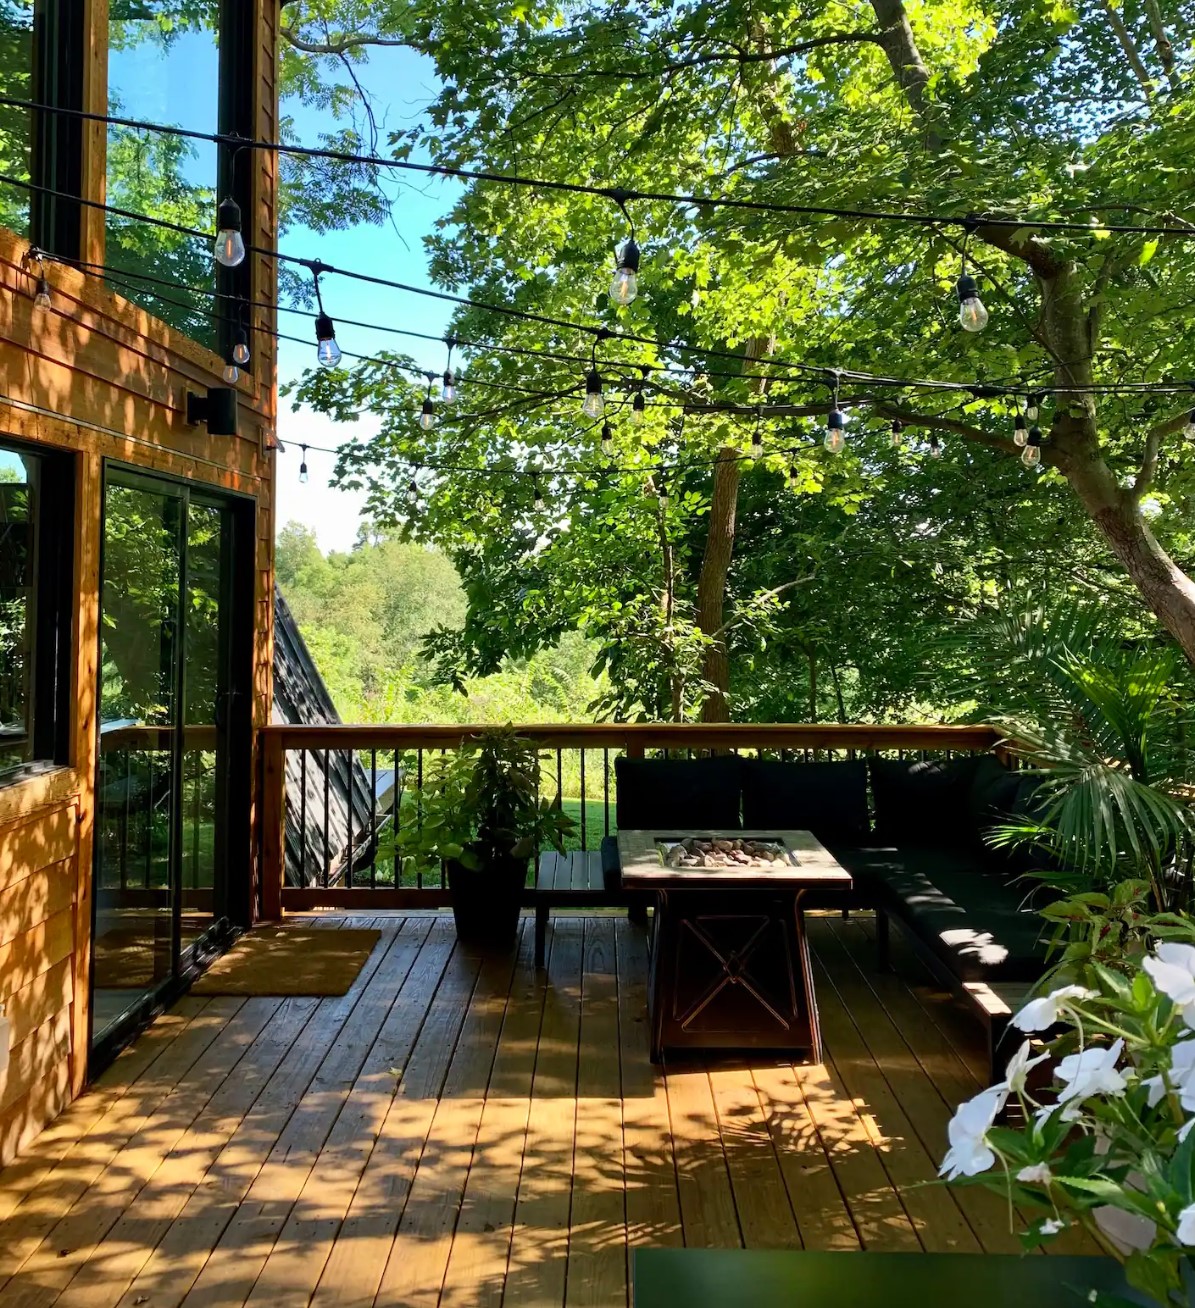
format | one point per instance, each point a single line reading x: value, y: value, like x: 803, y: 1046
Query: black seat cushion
x: 675, y: 796
x: 924, y: 801
x: 981, y: 925
x: 829, y: 799
x: 611, y: 864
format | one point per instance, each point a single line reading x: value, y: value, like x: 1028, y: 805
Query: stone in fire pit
x: 724, y: 851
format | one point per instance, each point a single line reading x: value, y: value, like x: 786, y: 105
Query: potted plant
x: 479, y: 816
x: 1108, y: 1144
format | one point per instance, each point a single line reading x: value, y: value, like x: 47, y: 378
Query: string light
x: 537, y: 502
x: 229, y: 246
x: 231, y: 373
x: 898, y: 433
x: 607, y: 440
x: 240, y: 351
x: 935, y: 446
x: 639, y: 406
x: 427, y: 415
x: 835, y: 440
x: 662, y: 490
x: 757, y: 434
x: 794, y: 476
x: 1020, y: 433
x: 1031, y: 454
x: 327, y: 351
x: 972, y: 315
x: 594, y: 405
x: 303, y: 466
x: 448, y: 392
x: 1033, y: 406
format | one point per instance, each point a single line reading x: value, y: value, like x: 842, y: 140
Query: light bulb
x: 1032, y: 407
x: 229, y: 246
x: 448, y: 393
x: 898, y: 433
x: 757, y: 446
x: 1189, y: 429
x: 793, y: 476
x: 972, y: 316
x: 328, y: 352
x: 240, y: 351
x: 303, y: 468
x: 835, y: 441
x: 427, y: 415
x: 231, y: 374
x: 625, y: 284
x: 1019, y: 434
x: 594, y: 405
x: 935, y: 447
x: 638, y: 408
x: 42, y: 299
x: 1031, y: 456
x: 538, y: 504
x: 607, y: 440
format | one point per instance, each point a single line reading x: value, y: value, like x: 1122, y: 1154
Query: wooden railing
x: 328, y: 810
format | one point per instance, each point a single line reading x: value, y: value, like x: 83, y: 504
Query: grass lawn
x: 594, y: 828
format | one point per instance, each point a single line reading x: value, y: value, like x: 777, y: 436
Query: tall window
x: 35, y: 588
x: 16, y: 80
x: 164, y: 67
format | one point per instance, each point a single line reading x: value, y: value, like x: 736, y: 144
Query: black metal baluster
x: 351, y: 760
x: 606, y: 792
x: 419, y: 810
x: 327, y: 825
x: 584, y: 802
x: 302, y: 817
x: 373, y: 816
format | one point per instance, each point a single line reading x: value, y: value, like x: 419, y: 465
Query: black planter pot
x: 486, y: 902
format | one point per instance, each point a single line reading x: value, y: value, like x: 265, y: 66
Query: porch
x: 465, y: 1130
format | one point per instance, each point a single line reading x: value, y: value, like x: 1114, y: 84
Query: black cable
x: 617, y: 195
x: 828, y: 376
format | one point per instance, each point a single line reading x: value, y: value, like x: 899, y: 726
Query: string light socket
x: 607, y: 440
x: 835, y: 439
x: 229, y: 247
x: 1031, y: 454
x: 935, y: 446
x: 448, y: 388
x: 594, y: 405
x: 41, y: 299
x: 972, y: 315
x: 537, y: 500
x: 897, y: 433
x: 427, y: 414
x: 327, y: 351
x: 303, y: 466
x: 639, y: 406
x: 624, y: 286
x: 1020, y: 433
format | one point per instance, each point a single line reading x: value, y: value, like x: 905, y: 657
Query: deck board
x: 460, y: 1131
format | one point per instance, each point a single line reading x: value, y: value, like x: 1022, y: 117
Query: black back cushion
x: 924, y: 801
x: 829, y: 799
x: 672, y: 796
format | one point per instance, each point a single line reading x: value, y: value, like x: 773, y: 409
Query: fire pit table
x: 730, y: 968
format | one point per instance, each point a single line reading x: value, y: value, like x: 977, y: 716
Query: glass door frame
x: 232, y: 884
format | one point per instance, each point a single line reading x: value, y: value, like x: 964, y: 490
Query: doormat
x: 289, y: 961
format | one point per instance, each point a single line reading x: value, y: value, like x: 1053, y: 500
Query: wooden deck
x: 456, y: 1131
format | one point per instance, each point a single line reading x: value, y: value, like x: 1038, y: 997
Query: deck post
x: 273, y: 826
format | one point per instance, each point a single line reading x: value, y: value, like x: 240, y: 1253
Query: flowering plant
x: 1109, y: 1145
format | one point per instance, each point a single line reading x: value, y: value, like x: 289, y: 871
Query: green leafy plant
x: 1109, y: 1145
x: 480, y: 806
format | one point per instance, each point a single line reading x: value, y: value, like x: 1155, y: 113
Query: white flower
x: 1035, y: 1174
x: 1182, y: 1076
x: 1185, y: 1231
x: 1186, y: 1130
x: 1019, y: 1066
x: 969, y: 1153
x: 1092, y: 1072
x: 1042, y: 1013
x: 1051, y: 1226
x: 1171, y: 967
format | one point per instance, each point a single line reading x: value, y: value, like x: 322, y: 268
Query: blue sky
x: 399, y: 83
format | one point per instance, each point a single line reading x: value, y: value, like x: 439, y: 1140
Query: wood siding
x: 101, y: 379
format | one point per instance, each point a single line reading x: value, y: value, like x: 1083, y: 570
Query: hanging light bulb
x: 972, y: 315
x: 427, y: 414
x: 41, y: 300
x: 229, y: 247
x: 448, y: 388
x: 1031, y: 454
x: 1033, y: 407
x: 662, y: 491
x: 1019, y: 432
x: 303, y: 467
x: 835, y: 440
x: 757, y: 444
x: 794, y: 476
x: 537, y: 496
x: 607, y: 440
x: 231, y: 373
x: 639, y: 407
x: 240, y: 351
x: 935, y: 446
x: 1189, y: 429
x: 625, y: 284
x: 594, y: 405
x: 898, y: 433
x: 327, y: 352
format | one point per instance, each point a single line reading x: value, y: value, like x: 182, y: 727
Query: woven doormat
x: 290, y: 961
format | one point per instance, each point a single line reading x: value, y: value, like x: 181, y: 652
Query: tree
x: 952, y: 108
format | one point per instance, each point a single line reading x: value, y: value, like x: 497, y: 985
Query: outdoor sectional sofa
x: 910, y: 832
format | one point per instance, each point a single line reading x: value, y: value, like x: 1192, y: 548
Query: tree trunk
x: 711, y: 583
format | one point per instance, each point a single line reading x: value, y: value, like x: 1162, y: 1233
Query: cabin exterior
x: 136, y: 546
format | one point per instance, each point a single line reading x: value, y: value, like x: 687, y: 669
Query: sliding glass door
x: 170, y: 861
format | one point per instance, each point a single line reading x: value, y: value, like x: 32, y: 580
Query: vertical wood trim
x: 273, y: 827
x: 84, y: 742
x: 95, y: 135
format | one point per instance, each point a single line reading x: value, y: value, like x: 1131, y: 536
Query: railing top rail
x: 648, y: 735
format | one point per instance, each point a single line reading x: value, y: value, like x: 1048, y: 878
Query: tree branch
x: 940, y: 422
x: 1031, y: 250
x: 1148, y: 470
x: 338, y: 47
x: 1140, y: 72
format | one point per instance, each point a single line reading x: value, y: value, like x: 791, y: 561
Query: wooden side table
x: 730, y: 966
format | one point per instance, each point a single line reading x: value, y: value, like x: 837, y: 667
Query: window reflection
x: 163, y: 67
x: 17, y: 564
x: 16, y: 80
